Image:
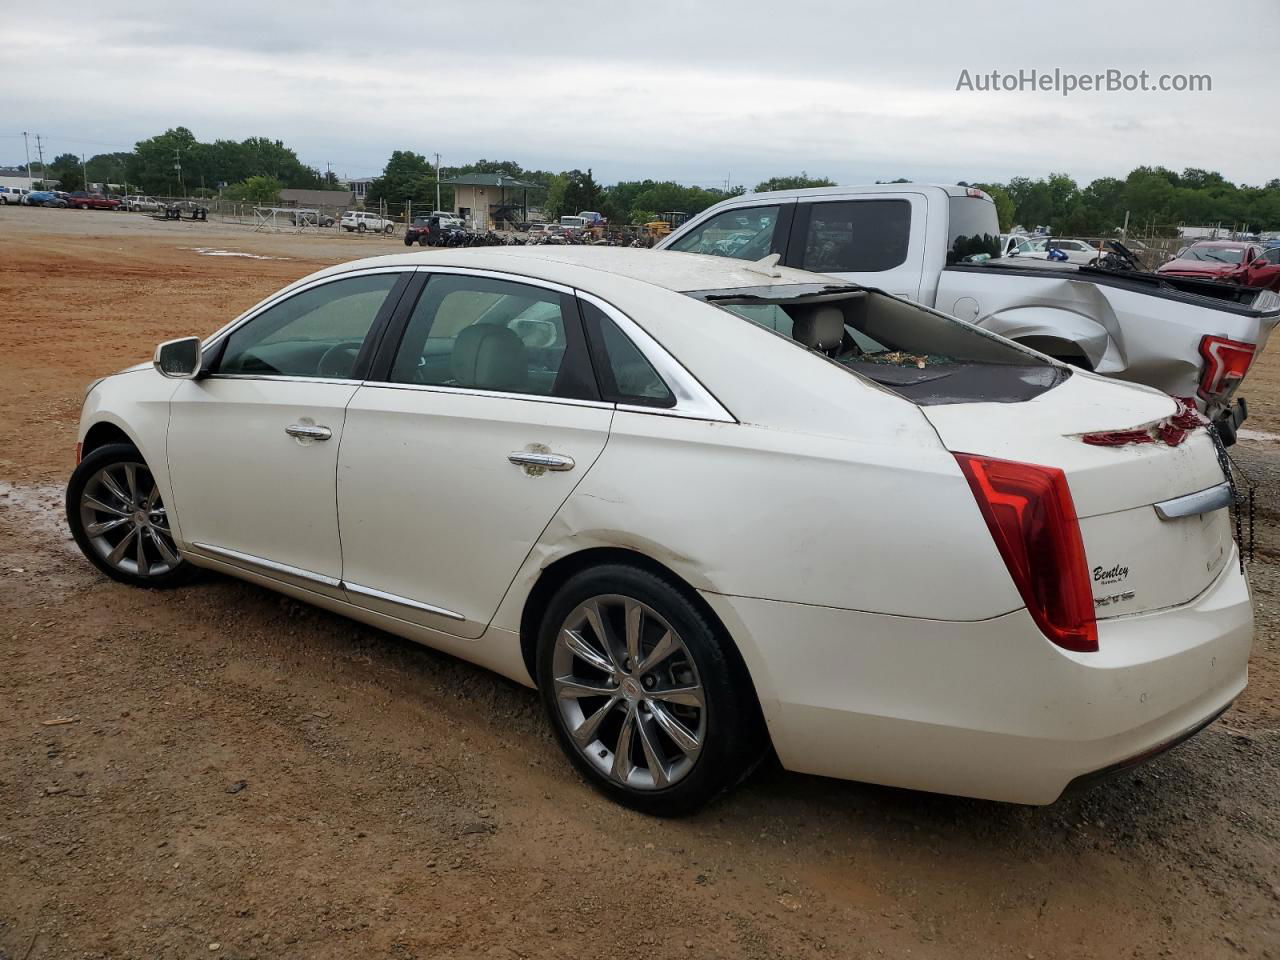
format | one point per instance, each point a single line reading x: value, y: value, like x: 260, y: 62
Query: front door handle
x: 305, y: 431
x: 547, y: 461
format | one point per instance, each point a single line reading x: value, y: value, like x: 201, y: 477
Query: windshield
x: 1215, y: 254
x: 924, y: 357
x: 746, y: 234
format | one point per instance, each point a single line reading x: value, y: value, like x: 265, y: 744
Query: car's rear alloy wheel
x: 646, y: 696
x: 119, y: 519
x: 628, y: 692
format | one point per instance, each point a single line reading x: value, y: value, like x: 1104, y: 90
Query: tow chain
x: 1231, y: 469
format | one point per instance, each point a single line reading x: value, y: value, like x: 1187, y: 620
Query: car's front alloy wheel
x: 646, y: 696
x: 120, y: 521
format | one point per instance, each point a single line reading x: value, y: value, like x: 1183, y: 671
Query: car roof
x: 680, y: 272
x: 950, y: 189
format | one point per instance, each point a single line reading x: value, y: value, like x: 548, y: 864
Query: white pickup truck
x: 939, y: 246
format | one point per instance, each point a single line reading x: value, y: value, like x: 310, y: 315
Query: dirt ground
x: 244, y: 776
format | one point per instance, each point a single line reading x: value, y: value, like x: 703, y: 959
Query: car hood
x: 1200, y: 268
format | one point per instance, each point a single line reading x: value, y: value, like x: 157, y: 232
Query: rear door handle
x: 547, y: 461
x: 308, y: 432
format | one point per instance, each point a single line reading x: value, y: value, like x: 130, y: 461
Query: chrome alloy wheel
x: 629, y: 693
x: 125, y: 520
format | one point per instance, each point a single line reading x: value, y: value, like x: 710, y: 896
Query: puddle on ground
x: 41, y: 507
x: 215, y: 252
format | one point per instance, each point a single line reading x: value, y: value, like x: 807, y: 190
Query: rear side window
x: 487, y: 334
x: 744, y: 234
x: 625, y: 375
x: 857, y: 236
x: 973, y: 230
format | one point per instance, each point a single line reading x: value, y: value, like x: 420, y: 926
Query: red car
x: 84, y: 200
x: 1235, y: 262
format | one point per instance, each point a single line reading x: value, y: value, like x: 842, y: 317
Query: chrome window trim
x: 401, y: 601
x: 693, y: 400
x: 495, y: 275
x: 290, y: 291
x: 497, y: 394
x: 250, y: 559
x: 280, y: 377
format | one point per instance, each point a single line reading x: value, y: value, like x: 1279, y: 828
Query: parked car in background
x: 360, y: 221
x: 961, y: 591
x: 1185, y: 337
x: 426, y: 230
x: 142, y: 204
x: 1245, y: 263
x: 84, y: 200
x: 593, y: 218
x: 13, y: 195
x: 1072, y: 251
x: 45, y: 198
x: 576, y: 224
x: 449, y: 220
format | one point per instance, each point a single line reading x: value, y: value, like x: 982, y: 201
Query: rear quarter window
x: 856, y: 236
x: 973, y: 229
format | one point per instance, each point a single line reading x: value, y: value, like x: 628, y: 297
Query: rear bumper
x: 987, y: 709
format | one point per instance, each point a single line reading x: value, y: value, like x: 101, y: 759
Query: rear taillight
x: 1032, y: 519
x: 1225, y: 364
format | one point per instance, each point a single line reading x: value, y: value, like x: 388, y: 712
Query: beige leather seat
x: 819, y: 327
x: 489, y: 357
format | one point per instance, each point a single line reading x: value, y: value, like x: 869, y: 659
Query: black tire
x: 88, y: 468
x: 389, y: 229
x: 733, y: 737
x: 408, y: 241
x: 360, y: 227
x: 422, y: 240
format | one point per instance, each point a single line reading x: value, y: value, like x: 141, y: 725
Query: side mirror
x: 179, y: 359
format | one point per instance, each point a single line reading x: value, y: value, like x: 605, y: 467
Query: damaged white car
x: 707, y: 508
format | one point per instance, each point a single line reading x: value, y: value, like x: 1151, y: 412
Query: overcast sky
x: 695, y: 91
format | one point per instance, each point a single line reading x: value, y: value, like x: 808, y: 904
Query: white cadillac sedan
x: 708, y: 508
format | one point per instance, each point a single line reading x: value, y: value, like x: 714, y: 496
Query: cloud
x: 695, y: 92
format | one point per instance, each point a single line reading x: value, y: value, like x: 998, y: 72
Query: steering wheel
x: 338, y: 361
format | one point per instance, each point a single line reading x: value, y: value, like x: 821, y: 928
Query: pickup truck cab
x: 14, y: 195
x: 83, y: 200
x: 939, y: 245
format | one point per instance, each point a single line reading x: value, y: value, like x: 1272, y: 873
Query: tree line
x: 1153, y: 199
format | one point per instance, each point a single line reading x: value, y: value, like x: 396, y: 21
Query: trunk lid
x: 1137, y: 560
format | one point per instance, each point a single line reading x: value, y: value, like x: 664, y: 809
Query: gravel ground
x: 243, y: 776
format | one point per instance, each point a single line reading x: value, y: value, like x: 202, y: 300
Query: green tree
x: 797, y: 182
x: 158, y: 161
x: 1004, y: 203
x: 66, y: 170
x: 407, y: 176
x: 258, y: 189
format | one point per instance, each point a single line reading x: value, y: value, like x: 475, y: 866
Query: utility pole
x: 328, y: 174
x: 437, y: 181
x: 44, y: 174
x: 84, y: 173
x: 177, y: 165
x: 27, y: 149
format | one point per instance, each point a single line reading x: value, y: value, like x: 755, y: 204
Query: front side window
x: 487, y: 334
x: 744, y: 234
x: 315, y: 333
x: 857, y: 236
